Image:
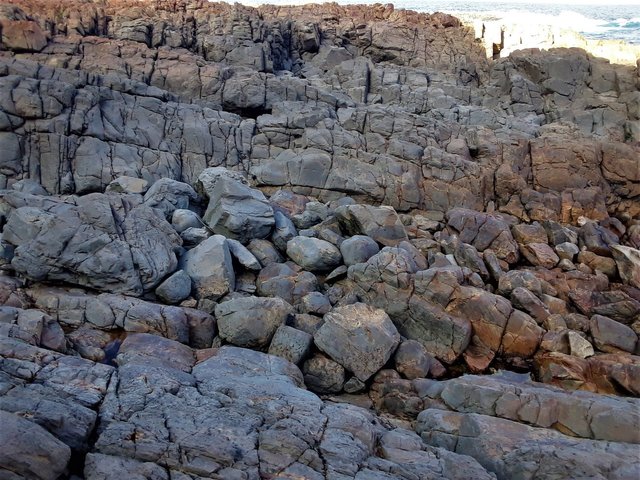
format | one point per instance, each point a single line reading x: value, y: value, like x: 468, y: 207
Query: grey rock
x: 550, y: 454
x: 578, y: 345
x: 313, y: 254
x: 175, y: 288
x: 567, y: 251
x: 29, y: 186
x: 314, y: 303
x: 210, y: 267
x: 307, y: 323
x: 142, y: 348
x: 513, y: 279
x: 182, y: 219
x: 580, y: 414
x: 251, y: 322
x: 611, y: 336
x: 29, y: 451
x: 415, y: 301
x: 412, y: 360
x: 382, y: 224
x: 284, y: 281
x: 68, y: 421
x: 358, y: 249
x: 558, y: 234
x: 194, y: 236
x: 359, y: 337
x: 336, y: 274
x: 313, y: 214
x: 628, y: 262
x: 323, y: 375
x: 237, y: 211
x: 291, y: 344
x: 75, y: 308
x: 125, y: 184
x: 168, y: 195
x: 107, y: 467
x: 284, y: 231
x: 243, y: 255
x: 484, y: 231
x: 265, y: 252
x: 208, y: 178
x: 525, y: 300
x: 354, y: 385
x: 93, y: 243
x: 597, y: 239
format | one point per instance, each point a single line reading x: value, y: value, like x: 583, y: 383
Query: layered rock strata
x: 284, y: 242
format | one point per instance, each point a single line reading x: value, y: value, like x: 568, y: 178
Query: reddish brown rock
x: 540, y: 254
x: 610, y: 373
x: 22, y: 36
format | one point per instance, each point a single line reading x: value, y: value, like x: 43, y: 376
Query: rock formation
x: 319, y: 242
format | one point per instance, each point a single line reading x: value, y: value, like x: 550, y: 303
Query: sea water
x: 617, y: 20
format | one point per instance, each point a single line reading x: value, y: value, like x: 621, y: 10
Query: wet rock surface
x: 286, y: 242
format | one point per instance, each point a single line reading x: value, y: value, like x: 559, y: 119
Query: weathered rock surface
x: 501, y: 445
x: 313, y: 254
x: 188, y: 160
x: 235, y: 210
x: 251, y: 321
x: 210, y: 267
x: 97, y: 241
x: 358, y: 337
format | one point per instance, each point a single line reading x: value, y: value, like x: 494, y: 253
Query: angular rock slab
x: 313, y: 254
x: 242, y: 414
x: 628, y: 261
x: 359, y: 337
x: 251, y: 322
x: 95, y: 242
x: 380, y: 223
x: 210, y: 267
x: 238, y: 211
x: 29, y: 451
x: 580, y: 414
x: 512, y: 450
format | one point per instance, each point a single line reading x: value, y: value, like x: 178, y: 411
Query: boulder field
x: 317, y: 242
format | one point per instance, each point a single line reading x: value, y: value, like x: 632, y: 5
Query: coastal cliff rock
x: 293, y: 242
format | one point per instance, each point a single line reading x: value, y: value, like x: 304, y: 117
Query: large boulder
x: 287, y: 281
x: 97, y: 241
x: 169, y: 195
x: 313, y: 254
x: 415, y: 300
x: 611, y: 336
x: 251, y: 322
x: 380, y: 223
x: 628, y: 261
x: 359, y: 337
x: 500, y: 446
x: 483, y: 231
x: 22, y: 36
x: 235, y: 210
x: 210, y: 267
x: 29, y: 451
x: 358, y: 249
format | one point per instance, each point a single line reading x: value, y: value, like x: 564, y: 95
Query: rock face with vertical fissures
x: 352, y: 188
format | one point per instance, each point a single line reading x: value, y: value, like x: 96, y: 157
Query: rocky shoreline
x: 501, y: 37
x: 320, y: 242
